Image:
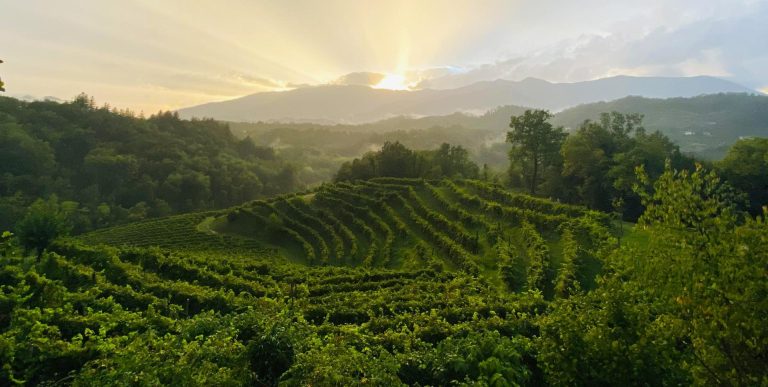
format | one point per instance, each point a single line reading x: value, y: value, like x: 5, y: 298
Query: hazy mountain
x: 705, y: 125
x: 356, y: 104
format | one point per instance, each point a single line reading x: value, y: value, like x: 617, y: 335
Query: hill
x: 466, y: 225
x: 169, y: 317
x: 705, y: 126
x: 359, y: 104
x: 113, y: 166
x: 395, y: 282
x: 700, y: 125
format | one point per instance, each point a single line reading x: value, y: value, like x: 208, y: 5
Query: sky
x: 148, y: 55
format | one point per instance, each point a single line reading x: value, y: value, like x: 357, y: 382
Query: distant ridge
x: 358, y: 104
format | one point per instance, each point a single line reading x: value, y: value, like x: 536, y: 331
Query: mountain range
x: 359, y: 104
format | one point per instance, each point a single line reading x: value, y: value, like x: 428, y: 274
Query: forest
x: 109, y: 167
x: 166, y: 251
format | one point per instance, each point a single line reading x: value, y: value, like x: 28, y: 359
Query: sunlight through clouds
x: 127, y: 52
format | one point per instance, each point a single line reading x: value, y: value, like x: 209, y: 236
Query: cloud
x: 259, y: 81
x: 359, y: 79
x: 733, y: 48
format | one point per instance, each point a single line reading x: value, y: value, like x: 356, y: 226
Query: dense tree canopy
x: 594, y: 165
x: 119, y: 167
x: 395, y: 160
x: 746, y: 168
x: 686, y: 305
x: 600, y: 157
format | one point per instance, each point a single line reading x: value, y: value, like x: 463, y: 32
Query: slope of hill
x: 121, y: 316
x: 705, y: 125
x: 698, y: 124
x: 357, y: 104
x: 465, y: 225
x: 118, y: 167
x: 198, y: 313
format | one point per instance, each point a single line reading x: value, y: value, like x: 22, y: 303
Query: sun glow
x: 392, y: 82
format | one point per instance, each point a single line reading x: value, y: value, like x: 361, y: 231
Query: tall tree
x: 535, y: 144
x: 44, y: 221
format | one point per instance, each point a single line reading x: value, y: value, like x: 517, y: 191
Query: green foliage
x: 44, y: 221
x: 704, y: 125
x: 535, y: 145
x: 538, y: 258
x: 567, y: 282
x: 745, y: 167
x: 395, y: 160
x: 337, y: 364
x: 98, y: 315
x: 215, y: 305
x: 480, y: 358
x: 6, y: 243
x: 686, y: 306
x: 611, y: 336
x: 600, y: 157
x: 121, y: 168
x: 399, y: 222
x: 708, y: 266
x: 511, y: 267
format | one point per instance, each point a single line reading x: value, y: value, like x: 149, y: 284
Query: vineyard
x: 465, y: 225
x: 221, y: 319
x: 381, y: 282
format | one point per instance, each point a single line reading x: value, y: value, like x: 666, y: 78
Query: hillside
x: 699, y: 125
x: 199, y: 318
x: 114, y: 166
x: 358, y: 104
x: 715, y: 122
x: 389, y: 282
x: 390, y: 223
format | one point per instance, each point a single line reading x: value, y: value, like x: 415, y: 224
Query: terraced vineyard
x: 382, y: 282
x: 181, y: 232
x: 219, y: 318
x: 466, y: 225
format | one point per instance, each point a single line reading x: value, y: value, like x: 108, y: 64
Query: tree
x: 746, y: 168
x: 44, y: 221
x: 685, y: 306
x: 587, y: 155
x: 536, y: 144
x: 599, y: 161
x: 705, y: 263
x: 454, y: 161
x: 396, y: 160
x: 1, y: 81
